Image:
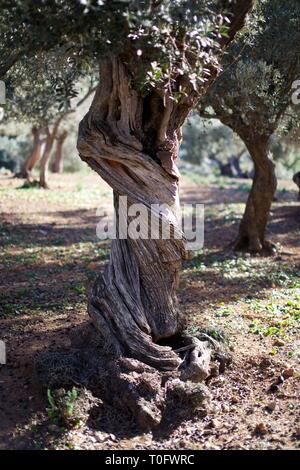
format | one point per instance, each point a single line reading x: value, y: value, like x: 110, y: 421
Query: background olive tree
x: 252, y: 96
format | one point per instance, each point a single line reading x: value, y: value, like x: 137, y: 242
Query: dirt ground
x: 50, y: 254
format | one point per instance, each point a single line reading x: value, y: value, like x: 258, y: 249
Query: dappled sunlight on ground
x: 49, y: 256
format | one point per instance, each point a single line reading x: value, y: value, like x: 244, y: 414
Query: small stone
x: 274, y: 388
x: 287, y: 373
x: 211, y: 424
x: 101, y: 437
x: 225, y: 408
x: 271, y: 406
x: 235, y: 399
x: 214, y: 370
x: 278, y: 342
x: 265, y: 363
x: 261, y: 429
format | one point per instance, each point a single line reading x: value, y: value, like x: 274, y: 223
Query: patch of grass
x: 62, y: 406
x: 215, y: 333
x: 83, y: 197
x: 30, y: 185
x: 286, y: 276
x: 79, y: 288
x: 222, y: 310
x: 257, y: 327
x: 278, y: 320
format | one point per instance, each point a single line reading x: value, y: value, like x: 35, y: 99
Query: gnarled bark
x: 57, y: 163
x: 253, y: 225
x: 132, y: 142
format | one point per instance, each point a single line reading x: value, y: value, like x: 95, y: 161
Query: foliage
x: 255, y: 87
x: 13, y: 149
x: 61, y: 405
x: 46, y: 47
x: 33, y: 103
x: 206, y: 141
x: 209, y: 139
x: 166, y: 44
x: 38, y: 92
x: 286, y: 153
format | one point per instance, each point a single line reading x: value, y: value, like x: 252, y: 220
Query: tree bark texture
x: 253, y: 225
x: 44, y: 163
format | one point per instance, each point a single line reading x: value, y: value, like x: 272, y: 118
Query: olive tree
x: 42, y: 95
x: 252, y: 95
x: 156, y: 59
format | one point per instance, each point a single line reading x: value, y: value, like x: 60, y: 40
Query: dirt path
x: 50, y: 254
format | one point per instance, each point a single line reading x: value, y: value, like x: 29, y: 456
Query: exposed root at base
x: 254, y: 246
x: 129, y: 383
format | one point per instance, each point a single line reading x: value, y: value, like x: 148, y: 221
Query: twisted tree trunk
x: 252, y: 229
x: 57, y: 164
x: 132, y: 142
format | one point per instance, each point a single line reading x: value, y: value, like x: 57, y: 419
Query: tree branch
x: 239, y: 13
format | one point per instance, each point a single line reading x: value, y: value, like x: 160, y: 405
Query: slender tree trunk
x: 57, y: 164
x: 253, y: 225
x: 132, y: 142
x: 34, y: 156
x: 44, y: 163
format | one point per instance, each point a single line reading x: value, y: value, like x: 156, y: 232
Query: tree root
x: 255, y: 246
x: 196, y: 367
x: 131, y: 384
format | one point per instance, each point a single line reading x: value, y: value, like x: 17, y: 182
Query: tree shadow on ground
x: 285, y: 219
x: 78, y: 226
x: 25, y: 404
